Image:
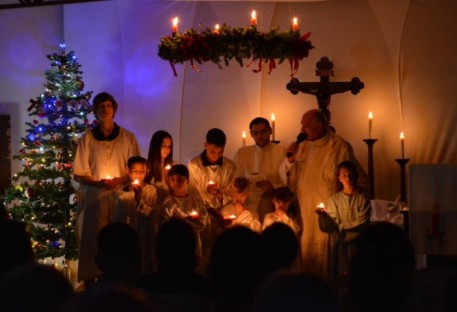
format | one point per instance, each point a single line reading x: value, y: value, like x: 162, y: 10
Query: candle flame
x: 232, y: 217
x: 108, y: 177
x: 175, y: 21
x: 321, y: 205
x: 136, y: 181
x: 253, y: 14
x: 402, y: 136
x: 243, y: 135
x: 273, y: 117
x: 216, y: 27
x: 370, y: 115
x: 167, y: 167
x: 295, y: 21
x: 211, y: 182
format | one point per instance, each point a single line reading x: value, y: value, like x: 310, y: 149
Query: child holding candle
x: 350, y: 209
x: 239, y: 210
x: 137, y: 201
x: 182, y: 205
x: 285, y: 211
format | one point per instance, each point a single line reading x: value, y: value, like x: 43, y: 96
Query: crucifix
x: 324, y: 89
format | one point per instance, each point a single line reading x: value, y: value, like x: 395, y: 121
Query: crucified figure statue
x: 324, y: 89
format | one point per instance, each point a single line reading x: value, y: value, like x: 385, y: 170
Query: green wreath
x: 227, y: 43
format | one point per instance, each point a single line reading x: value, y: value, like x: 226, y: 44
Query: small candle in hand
x: 370, y: 124
x: 273, y: 126
x: 253, y: 18
x: 232, y: 217
x: 108, y: 177
x: 174, y: 27
x: 211, y: 182
x: 193, y: 214
x: 295, y: 24
x: 167, y: 167
x: 136, y: 182
x: 402, y: 141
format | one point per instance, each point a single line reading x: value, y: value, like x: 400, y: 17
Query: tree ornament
x: 79, y: 85
x: 29, y: 192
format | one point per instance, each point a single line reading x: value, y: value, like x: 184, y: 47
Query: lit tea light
x: 321, y: 205
x: 193, y: 214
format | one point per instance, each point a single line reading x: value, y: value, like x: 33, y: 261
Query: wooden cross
x: 324, y: 89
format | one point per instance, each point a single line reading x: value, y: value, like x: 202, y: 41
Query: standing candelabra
x: 405, y: 211
x: 370, y: 143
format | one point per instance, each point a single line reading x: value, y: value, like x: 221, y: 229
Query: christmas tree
x: 42, y: 194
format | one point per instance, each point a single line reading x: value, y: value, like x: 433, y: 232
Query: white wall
x: 391, y: 45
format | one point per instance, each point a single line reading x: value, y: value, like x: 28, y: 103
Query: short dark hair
x: 103, y: 97
x: 352, y: 168
x: 259, y: 120
x: 216, y: 137
x: 283, y: 194
x: 180, y: 170
x: 241, y: 184
x: 136, y: 160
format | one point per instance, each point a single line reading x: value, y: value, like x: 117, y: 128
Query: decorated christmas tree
x: 42, y: 194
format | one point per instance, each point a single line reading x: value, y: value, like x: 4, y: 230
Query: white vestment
x: 312, y: 177
x: 257, y: 164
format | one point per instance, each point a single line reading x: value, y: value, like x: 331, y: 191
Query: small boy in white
x: 137, y: 201
x: 180, y: 204
x: 282, y: 198
x: 239, y: 211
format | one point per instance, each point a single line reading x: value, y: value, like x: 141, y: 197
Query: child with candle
x: 285, y: 211
x: 350, y: 209
x: 180, y: 204
x: 239, y: 210
x: 137, y: 201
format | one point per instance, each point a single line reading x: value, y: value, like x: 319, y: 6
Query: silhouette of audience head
x: 118, y: 255
x: 280, y: 246
x: 236, y: 268
x: 15, y: 245
x: 176, y: 247
x: 382, y: 266
x: 34, y: 287
x: 287, y: 291
x: 283, y: 196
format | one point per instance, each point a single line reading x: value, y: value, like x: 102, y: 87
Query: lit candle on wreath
x: 254, y: 19
x: 216, y: 29
x: 174, y: 27
x: 295, y: 24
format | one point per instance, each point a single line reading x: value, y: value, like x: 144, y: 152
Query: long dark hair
x: 154, y: 155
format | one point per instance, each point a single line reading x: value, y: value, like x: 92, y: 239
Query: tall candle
x: 253, y: 18
x: 273, y: 126
x: 243, y: 135
x: 402, y: 141
x: 174, y: 27
x: 295, y: 24
x: 370, y: 124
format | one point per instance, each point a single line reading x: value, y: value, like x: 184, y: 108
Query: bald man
x: 311, y: 171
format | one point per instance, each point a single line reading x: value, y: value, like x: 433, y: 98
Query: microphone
x: 300, y: 138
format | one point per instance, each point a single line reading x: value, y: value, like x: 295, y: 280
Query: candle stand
x: 405, y: 210
x: 370, y: 143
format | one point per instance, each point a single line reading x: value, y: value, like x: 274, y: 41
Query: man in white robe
x: 311, y: 171
x: 260, y: 164
x: 211, y: 176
